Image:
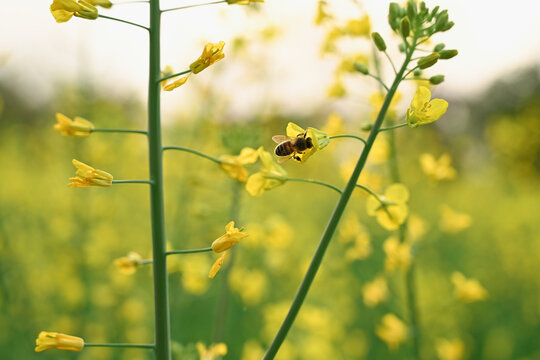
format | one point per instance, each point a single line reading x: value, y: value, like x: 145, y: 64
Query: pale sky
x: 493, y: 38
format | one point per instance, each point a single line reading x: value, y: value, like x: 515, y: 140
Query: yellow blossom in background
x: 64, y: 10
x: 212, y: 53
x: 49, y: 340
x: 77, y: 127
x: 271, y: 175
x: 437, y: 169
x: 88, y: 176
x: 380, y: 152
x: 370, y: 179
x: 347, y: 63
x: 467, y: 290
x: 232, y: 236
x: 337, y: 89
x: 242, y: 2
x: 450, y: 349
x: 377, y: 99
x: 334, y: 125
x: 251, y: 285
x: 175, y: 84
x: 392, y: 331
x: 128, y: 265
x: 358, y: 27
x: 393, y: 210
x: 252, y: 350
x: 398, y: 255
x: 329, y: 43
x: 194, y: 274
x: 416, y: 228
x: 375, y: 292
x: 422, y: 110
x: 453, y: 222
x: 216, y: 266
x: 361, y: 248
x: 322, y: 15
x: 213, y: 352
x: 350, y: 228
x: 319, y: 139
x: 233, y: 165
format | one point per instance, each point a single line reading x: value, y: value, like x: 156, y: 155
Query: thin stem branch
x: 369, y: 191
x: 198, y: 153
x: 392, y: 127
x: 132, y: 182
x: 123, y: 21
x: 173, y: 75
x: 313, y: 182
x: 143, y: 132
x: 194, y: 5
x: 143, y: 346
x: 348, y: 136
x: 190, y: 251
x: 410, y: 71
x: 379, y: 80
x: 391, y: 62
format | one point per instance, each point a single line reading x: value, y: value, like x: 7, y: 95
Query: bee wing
x: 280, y: 138
x: 282, y: 159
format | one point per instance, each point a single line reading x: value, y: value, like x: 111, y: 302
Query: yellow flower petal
x: 392, y: 331
x: 232, y: 236
x: 175, y: 84
x: 397, y: 193
x: 212, y: 53
x: 216, y: 266
x: 49, y: 340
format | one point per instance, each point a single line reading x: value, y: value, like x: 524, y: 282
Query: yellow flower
x: 322, y: 14
x: 271, y: 175
x: 88, y: 176
x: 437, y: 170
x: 361, y: 248
x: 422, y: 110
x: 231, y: 237
x: 347, y: 64
x: 358, y: 27
x: 337, y: 89
x: 450, y: 349
x: 392, y: 331
x: 468, y: 290
x: 211, y: 54
x: 319, y: 139
x: 63, y: 10
x: 233, y: 165
x: 175, y: 84
x: 127, y: 265
x: 375, y: 292
x: 103, y: 3
x: 393, y: 210
x: 334, y: 125
x: 242, y: 2
x: 329, y: 44
x: 48, y: 340
x: 453, y: 222
x: 398, y: 255
x: 76, y: 127
x: 213, y: 352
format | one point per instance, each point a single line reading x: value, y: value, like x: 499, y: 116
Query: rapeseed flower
x: 337, y: 89
x: 392, y: 331
x: 211, y: 54
x: 271, y: 175
x: 49, y: 340
x: 398, y: 255
x: 468, y: 290
x: 88, y: 176
x: 77, y: 127
x: 103, y: 3
x: 213, y: 352
x: 319, y: 139
x: 437, y: 169
x: 223, y: 243
x: 450, y: 349
x: 358, y: 27
x: 334, y: 125
x: 127, y: 265
x: 322, y: 14
x: 453, y: 222
x: 391, y: 208
x: 64, y: 10
x: 375, y: 292
x: 234, y: 165
x: 422, y: 110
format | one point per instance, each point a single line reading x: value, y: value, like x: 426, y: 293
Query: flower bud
x: 367, y: 127
x: 417, y: 72
x: 362, y: 68
x: 401, y: 47
x: 393, y: 13
x: 428, y: 61
x: 423, y: 7
x: 379, y: 41
x: 448, y: 26
x: 438, y: 48
x: 437, y: 79
x: 442, y: 20
x: 405, y: 27
x: 447, y: 54
x: 411, y: 10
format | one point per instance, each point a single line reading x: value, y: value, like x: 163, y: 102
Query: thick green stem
x: 334, y: 220
x: 155, y: 148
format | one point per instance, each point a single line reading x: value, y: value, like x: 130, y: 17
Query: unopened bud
x: 438, y: 47
x: 393, y: 13
x: 367, y: 127
x: 379, y: 41
x: 423, y: 7
x: 437, y: 79
x: 87, y: 11
x: 428, y: 61
x: 401, y: 47
x: 411, y: 10
x: 417, y: 72
x: 442, y: 20
x: 447, y: 54
x: 362, y: 68
x: 448, y: 26
x: 405, y: 26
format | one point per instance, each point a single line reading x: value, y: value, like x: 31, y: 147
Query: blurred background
x: 57, y: 245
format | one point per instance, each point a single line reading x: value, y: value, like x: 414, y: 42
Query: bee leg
x: 297, y: 158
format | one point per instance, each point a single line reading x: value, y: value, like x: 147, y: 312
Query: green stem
x: 195, y: 5
x: 379, y: 80
x: 391, y: 62
x: 122, y: 21
x: 132, y: 182
x: 312, y: 182
x: 130, y: 2
x: 173, y: 75
x: 410, y: 71
x: 143, y: 346
x: 198, y: 153
x: 369, y: 191
x: 145, y: 262
x: 392, y: 127
x: 334, y: 220
x: 190, y: 251
x: 144, y: 132
x: 348, y: 136
x: 155, y: 148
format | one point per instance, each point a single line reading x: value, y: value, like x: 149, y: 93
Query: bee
x: 289, y: 147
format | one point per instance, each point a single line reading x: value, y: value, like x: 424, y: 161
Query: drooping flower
x: 450, y: 349
x: 234, y: 165
x: 49, y: 340
x: 422, y: 110
x: 212, y: 352
x: 468, y: 290
x: 453, y: 222
x: 398, y: 255
x: 375, y: 292
x: 63, y: 10
x: 437, y: 169
x: 319, y: 140
x: 88, y: 176
x: 232, y: 236
x: 175, y: 84
x: 77, y: 127
x: 127, y: 265
x: 211, y: 54
x: 392, y: 331
x: 392, y: 210
x: 271, y: 175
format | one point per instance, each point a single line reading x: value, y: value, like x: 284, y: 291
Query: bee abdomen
x: 284, y: 149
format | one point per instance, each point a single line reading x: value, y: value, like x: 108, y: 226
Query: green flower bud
x: 437, y: 79
x: 428, y: 61
x: 379, y: 41
x: 401, y: 47
x: 447, y: 54
x: 423, y: 7
x: 362, y: 68
x: 448, y: 26
x: 417, y: 72
x: 87, y: 11
x: 442, y: 20
x: 405, y: 27
x: 438, y: 47
x: 367, y: 127
x: 411, y: 10
x: 435, y: 10
x: 393, y: 14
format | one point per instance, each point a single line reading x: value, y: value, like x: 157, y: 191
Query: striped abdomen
x: 284, y: 149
